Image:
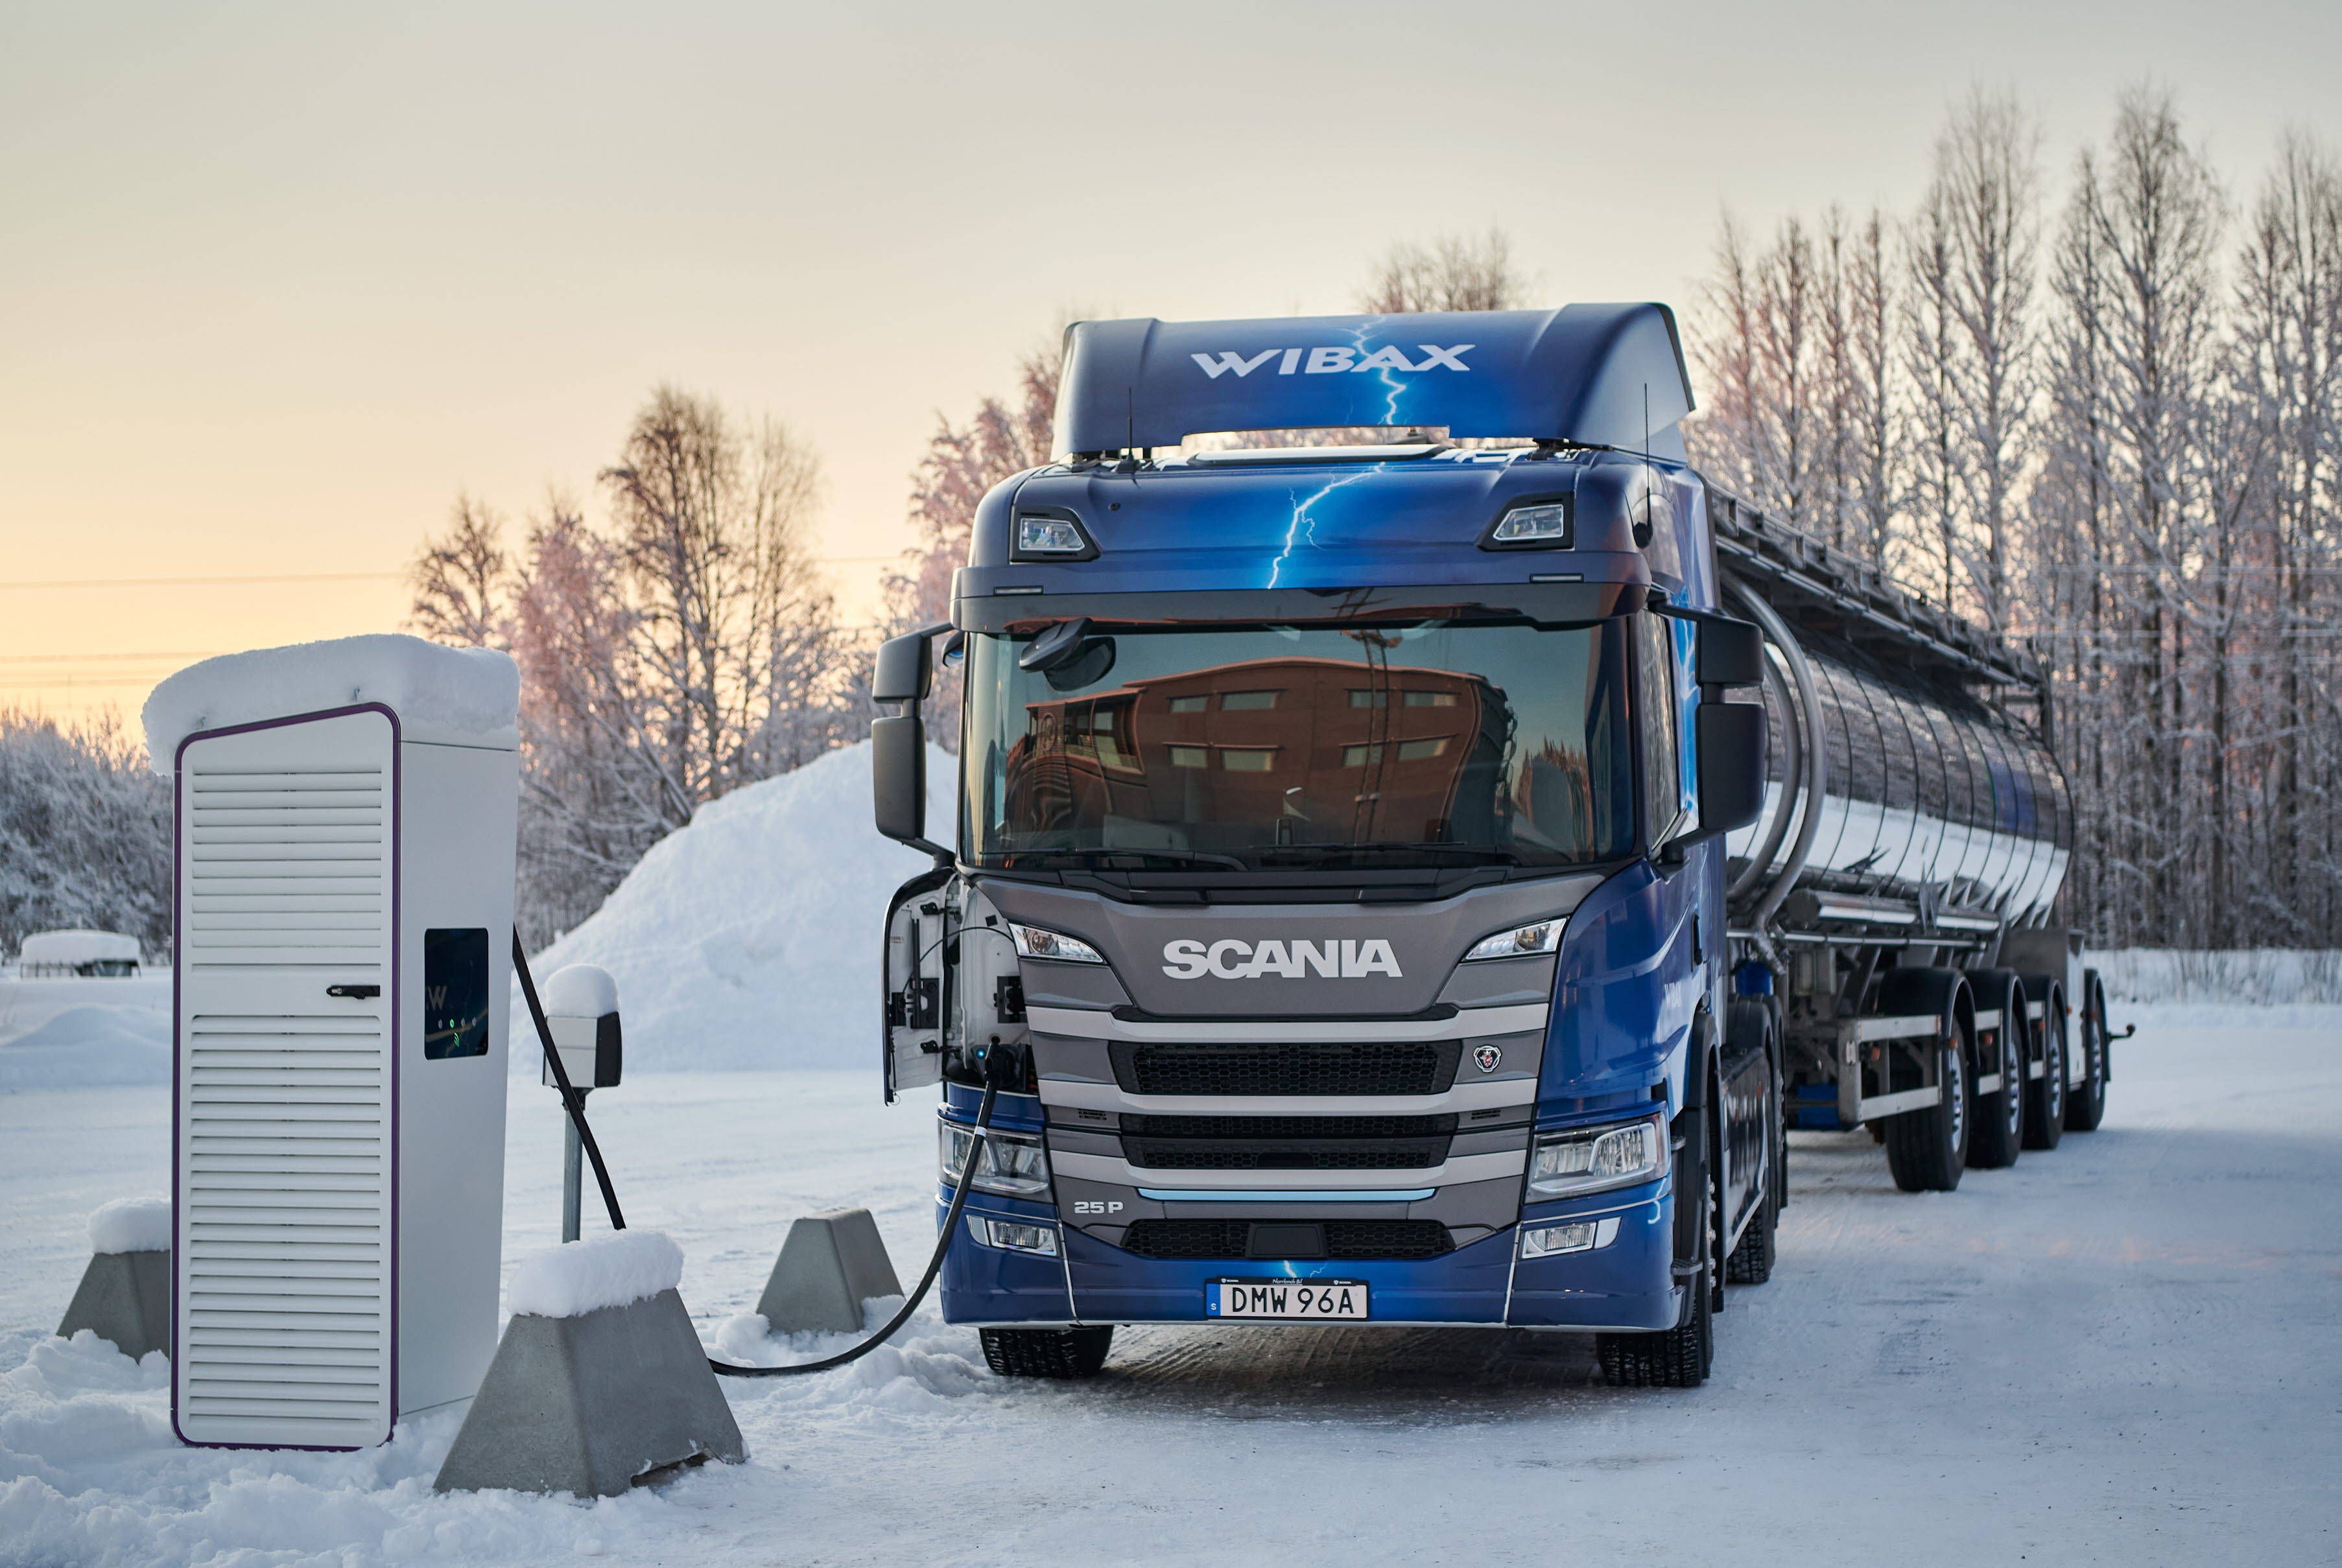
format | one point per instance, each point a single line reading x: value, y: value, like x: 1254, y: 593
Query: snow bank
x: 2251, y: 977
x: 131, y: 1225
x: 471, y: 693
x: 88, y: 1046
x: 579, y: 1277
x: 750, y: 938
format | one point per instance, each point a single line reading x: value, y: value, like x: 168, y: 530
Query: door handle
x: 358, y: 990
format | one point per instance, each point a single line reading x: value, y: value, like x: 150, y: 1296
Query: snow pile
x: 750, y: 938
x: 473, y: 693
x: 131, y: 1225
x: 88, y: 1045
x: 578, y: 1277
x: 579, y: 991
x: 2250, y: 978
x: 77, y: 947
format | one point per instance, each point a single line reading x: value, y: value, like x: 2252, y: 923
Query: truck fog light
x: 1010, y: 1236
x: 1592, y: 1159
x: 1584, y: 1236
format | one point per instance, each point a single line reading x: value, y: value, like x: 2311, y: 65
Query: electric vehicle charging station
x: 580, y: 1011
x: 344, y: 819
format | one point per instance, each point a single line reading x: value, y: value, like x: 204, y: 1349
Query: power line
x: 96, y: 658
x: 206, y: 582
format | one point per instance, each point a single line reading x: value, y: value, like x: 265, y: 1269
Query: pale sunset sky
x: 278, y: 281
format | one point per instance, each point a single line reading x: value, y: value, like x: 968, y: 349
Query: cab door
x: 915, y: 1007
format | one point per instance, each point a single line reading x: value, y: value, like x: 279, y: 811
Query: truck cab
x: 1350, y: 731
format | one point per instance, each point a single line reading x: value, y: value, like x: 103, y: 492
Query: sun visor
x: 1598, y: 375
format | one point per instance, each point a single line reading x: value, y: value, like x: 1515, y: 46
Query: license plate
x: 1294, y: 1300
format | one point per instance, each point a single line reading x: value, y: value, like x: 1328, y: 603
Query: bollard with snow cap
x: 125, y: 1292
x: 600, y: 1383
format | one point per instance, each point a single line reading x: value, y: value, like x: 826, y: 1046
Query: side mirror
x: 899, y: 781
x: 904, y: 672
x: 1729, y: 654
x: 1731, y: 764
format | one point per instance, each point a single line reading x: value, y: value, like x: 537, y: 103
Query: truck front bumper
x: 1624, y: 1285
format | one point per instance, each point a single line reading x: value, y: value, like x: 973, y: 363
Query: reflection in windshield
x: 1431, y: 744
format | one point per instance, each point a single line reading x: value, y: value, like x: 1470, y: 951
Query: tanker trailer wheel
x: 2044, y: 1097
x: 1046, y: 1352
x: 1927, y: 1149
x: 1999, y: 1130
x: 2086, y: 1102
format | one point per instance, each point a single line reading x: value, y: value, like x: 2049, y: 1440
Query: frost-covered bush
x: 84, y: 832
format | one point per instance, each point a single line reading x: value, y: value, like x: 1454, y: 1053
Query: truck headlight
x: 1591, y: 1159
x: 1013, y: 1164
x: 1032, y: 941
x: 1520, y: 942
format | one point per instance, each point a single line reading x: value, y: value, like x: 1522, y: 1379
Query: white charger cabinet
x: 344, y: 915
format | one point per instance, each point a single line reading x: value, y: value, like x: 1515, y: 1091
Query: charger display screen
x: 455, y: 993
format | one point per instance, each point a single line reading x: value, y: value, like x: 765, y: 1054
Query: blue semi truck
x: 1420, y: 847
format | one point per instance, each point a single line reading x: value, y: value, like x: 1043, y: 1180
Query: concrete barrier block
x: 124, y: 1297
x: 829, y: 1265
x: 593, y: 1404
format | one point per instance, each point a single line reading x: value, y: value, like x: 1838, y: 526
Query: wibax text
x: 1229, y: 959
x: 1331, y: 361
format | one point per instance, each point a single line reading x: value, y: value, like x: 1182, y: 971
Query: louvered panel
x: 284, y: 888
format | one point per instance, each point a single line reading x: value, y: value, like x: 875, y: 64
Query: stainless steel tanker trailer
x: 1893, y: 910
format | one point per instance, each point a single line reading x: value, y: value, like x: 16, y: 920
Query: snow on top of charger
x: 580, y: 990
x: 473, y: 693
x: 131, y: 1225
x: 578, y: 1277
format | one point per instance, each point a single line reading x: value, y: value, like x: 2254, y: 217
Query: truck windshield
x: 1281, y: 747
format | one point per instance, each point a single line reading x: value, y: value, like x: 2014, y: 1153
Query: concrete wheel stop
x: 124, y: 1295
x: 599, y: 1384
x: 830, y: 1264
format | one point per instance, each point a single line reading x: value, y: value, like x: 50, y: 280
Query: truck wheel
x: 1045, y: 1352
x: 1751, y: 1262
x: 1675, y: 1357
x: 2086, y: 1102
x: 2044, y: 1097
x: 1927, y: 1149
x: 1999, y: 1132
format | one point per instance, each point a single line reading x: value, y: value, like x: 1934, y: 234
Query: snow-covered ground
x: 2125, y: 1351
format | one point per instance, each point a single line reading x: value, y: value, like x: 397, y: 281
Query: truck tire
x: 2044, y: 1097
x: 1046, y: 1352
x: 1749, y: 1027
x: 2086, y: 1102
x: 1998, y: 1134
x: 1677, y: 1357
x: 1927, y: 1149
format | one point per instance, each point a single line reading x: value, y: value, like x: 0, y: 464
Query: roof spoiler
x: 1592, y: 375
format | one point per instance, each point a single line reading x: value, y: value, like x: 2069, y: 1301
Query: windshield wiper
x: 1486, y: 851
x: 1188, y: 857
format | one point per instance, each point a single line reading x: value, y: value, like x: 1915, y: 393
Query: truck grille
x: 1333, y: 1239
x: 1382, y: 1067
x: 1285, y: 1126
x: 1272, y: 1155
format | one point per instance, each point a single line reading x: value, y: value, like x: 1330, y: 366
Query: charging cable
x: 1003, y: 1066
